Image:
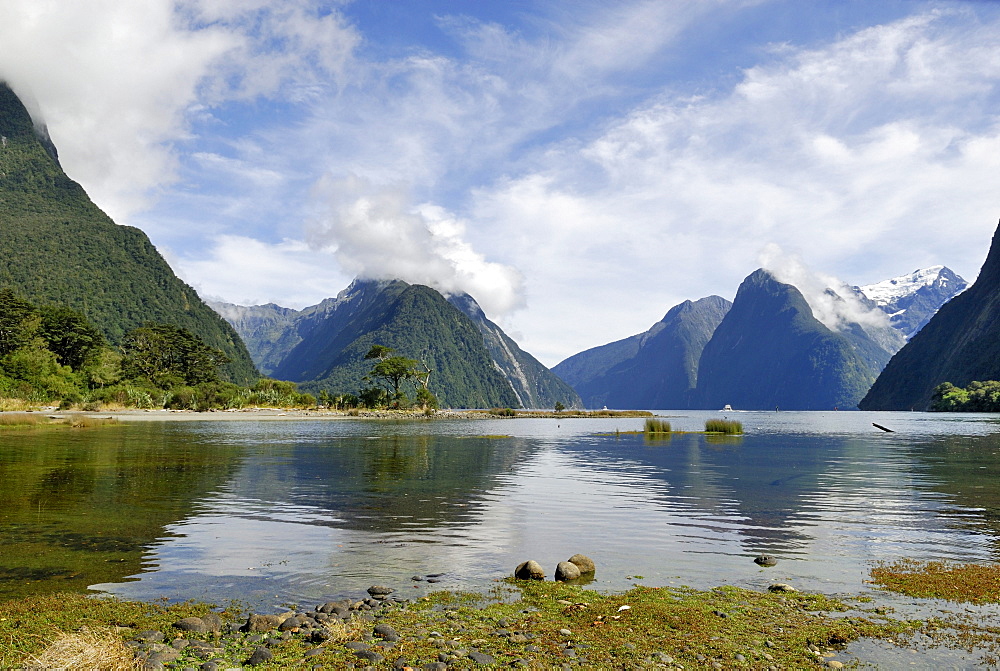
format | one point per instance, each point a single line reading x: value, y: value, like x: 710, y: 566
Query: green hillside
x: 418, y: 323
x: 57, y: 247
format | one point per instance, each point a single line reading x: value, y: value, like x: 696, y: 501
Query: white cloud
x: 837, y: 310
x: 246, y: 271
x: 375, y: 232
x: 853, y: 153
x: 115, y: 81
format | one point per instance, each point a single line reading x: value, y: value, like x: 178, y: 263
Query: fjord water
x: 299, y: 510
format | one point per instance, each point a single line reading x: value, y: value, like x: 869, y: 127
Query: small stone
x: 195, y: 624
x: 260, y: 656
x: 212, y: 621
x: 583, y: 562
x: 567, y: 571
x: 765, y: 560
x: 380, y: 590
x: 151, y: 635
x: 482, y: 658
x: 781, y: 587
x: 386, y: 632
x: 834, y: 664
x: 401, y: 663
x: 740, y: 658
x: 259, y: 623
x: 565, y: 632
x: 529, y: 570
x: 369, y: 656
x: 179, y: 643
x: 356, y: 645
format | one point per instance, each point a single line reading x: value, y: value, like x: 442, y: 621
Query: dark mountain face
x: 58, y: 247
x: 959, y: 344
x: 535, y: 385
x: 771, y: 352
x: 661, y: 371
x: 323, y: 347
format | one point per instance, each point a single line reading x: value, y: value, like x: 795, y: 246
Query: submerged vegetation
x: 729, y: 427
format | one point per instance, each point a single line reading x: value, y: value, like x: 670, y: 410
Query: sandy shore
x: 262, y: 414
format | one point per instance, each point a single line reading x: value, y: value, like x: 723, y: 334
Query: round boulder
x: 567, y: 571
x: 192, y: 624
x: 583, y: 562
x: 765, y: 560
x: 529, y: 570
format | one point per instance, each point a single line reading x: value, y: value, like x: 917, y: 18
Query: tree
x: 16, y: 325
x: 168, y: 355
x: 69, y: 335
x: 392, y: 371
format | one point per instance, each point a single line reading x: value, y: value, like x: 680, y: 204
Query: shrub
x: 503, y: 412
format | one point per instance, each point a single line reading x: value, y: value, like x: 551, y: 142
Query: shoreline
x: 284, y: 414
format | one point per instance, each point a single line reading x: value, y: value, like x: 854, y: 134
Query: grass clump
x: 21, y: 419
x: 86, y: 421
x: 87, y: 649
x: 503, y: 412
x: 656, y: 427
x: 727, y: 426
x: 973, y: 583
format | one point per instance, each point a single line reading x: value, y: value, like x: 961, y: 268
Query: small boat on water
x: 726, y: 408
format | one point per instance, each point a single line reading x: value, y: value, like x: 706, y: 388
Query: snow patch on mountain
x: 891, y: 290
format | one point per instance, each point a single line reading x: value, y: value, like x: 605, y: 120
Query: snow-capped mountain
x: 911, y: 300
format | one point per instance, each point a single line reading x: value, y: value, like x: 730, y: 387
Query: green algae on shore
x: 540, y: 624
x: 972, y: 583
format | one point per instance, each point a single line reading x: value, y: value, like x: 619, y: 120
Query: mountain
x: 474, y: 363
x: 59, y: 247
x: 535, y: 385
x: 770, y: 352
x: 911, y: 300
x: 657, y: 369
x: 959, y: 344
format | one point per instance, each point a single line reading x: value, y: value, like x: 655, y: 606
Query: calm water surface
x: 297, y: 511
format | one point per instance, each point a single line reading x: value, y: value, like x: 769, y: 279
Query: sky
x: 579, y: 166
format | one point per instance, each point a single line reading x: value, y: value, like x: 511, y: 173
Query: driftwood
x: 879, y: 426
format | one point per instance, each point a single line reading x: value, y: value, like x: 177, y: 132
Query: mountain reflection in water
x: 303, y: 510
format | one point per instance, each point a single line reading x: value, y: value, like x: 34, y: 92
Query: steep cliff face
x: 662, y: 370
x: 59, y: 247
x: 959, y: 344
x: 535, y: 385
x: 770, y: 351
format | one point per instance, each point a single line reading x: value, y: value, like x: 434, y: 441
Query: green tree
x: 949, y: 398
x: 69, y: 335
x: 392, y: 371
x: 17, y: 326
x: 168, y: 355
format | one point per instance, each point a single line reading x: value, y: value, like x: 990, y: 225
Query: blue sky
x: 578, y: 167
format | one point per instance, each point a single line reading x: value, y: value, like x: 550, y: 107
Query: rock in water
x: 765, y: 560
x: 583, y: 562
x: 529, y: 570
x: 567, y: 571
x: 781, y: 587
